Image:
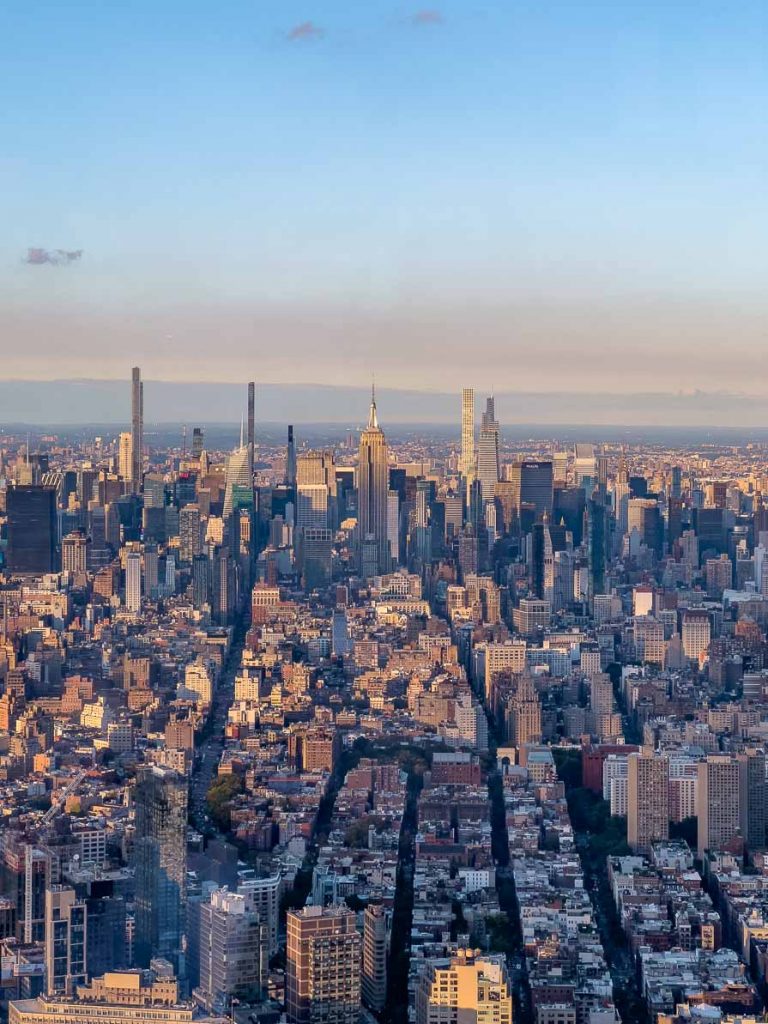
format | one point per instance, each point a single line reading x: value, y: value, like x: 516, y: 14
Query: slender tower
x: 488, y: 453
x: 137, y: 429
x: 372, y: 489
x: 251, y: 423
x: 290, y: 459
x: 467, y: 464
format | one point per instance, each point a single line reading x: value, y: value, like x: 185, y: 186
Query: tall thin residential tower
x: 251, y: 423
x: 137, y: 428
x: 467, y: 462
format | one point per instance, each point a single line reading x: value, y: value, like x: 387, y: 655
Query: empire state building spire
x: 373, y: 420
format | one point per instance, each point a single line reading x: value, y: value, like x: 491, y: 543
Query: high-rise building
x: 718, y: 800
x: 137, y: 429
x: 290, y: 459
x: 697, y: 632
x: 467, y: 459
x: 32, y: 529
x: 125, y: 455
x: 375, y: 948
x: 532, y: 485
x: 644, y: 515
x: 133, y: 581
x: 198, y: 442
x: 311, y: 506
x: 190, y: 538
x: 65, y: 941
x: 372, y: 489
x: 160, y: 857
x: 472, y: 989
x: 752, y: 797
x: 323, y: 966
x: 647, y: 799
x: 251, y: 436
x: 233, y: 952
x: 523, y: 718
x: 238, y: 479
x: 74, y: 552
x: 488, y: 453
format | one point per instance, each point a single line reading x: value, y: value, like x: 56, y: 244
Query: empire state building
x: 372, y: 487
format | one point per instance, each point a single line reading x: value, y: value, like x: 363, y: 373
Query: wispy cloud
x: 428, y: 16
x: 56, y: 257
x: 305, y: 30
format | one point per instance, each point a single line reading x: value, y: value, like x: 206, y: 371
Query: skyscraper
x: 532, y: 484
x: 133, y: 581
x: 137, y: 429
x: 467, y: 460
x: 32, y: 529
x: 488, y: 452
x: 323, y: 966
x: 238, y: 477
x: 251, y: 424
x: 290, y: 460
x: 160, y: 857
x: 372, y: 489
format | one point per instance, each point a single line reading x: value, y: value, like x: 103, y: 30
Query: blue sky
x: 532, y: 185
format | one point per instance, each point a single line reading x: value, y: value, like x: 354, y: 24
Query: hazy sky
x: 535, y: 194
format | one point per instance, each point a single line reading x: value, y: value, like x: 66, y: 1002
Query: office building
x: 647, y: 800
x: 32, y: 529
x: 488, y: 469
x: 322, y: 981
x: 373, y: 488
x: 238, y: 486
x: 532, y: 485
x: 65, y: 941
x: 74, y: 552
x: 718, y: 798
x: 137, y: 429
x: 160, y: 858
x: 312, y: 506
x: 644, y: 516
x: 472, y: 988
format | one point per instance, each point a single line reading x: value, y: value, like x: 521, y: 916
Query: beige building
x: 133, y: 997
x: 647, y: 799
x: 474, y: 988
x: 322, y: 982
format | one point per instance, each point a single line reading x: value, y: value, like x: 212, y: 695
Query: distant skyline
x: 543, y: 196
x: 107, y: 402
